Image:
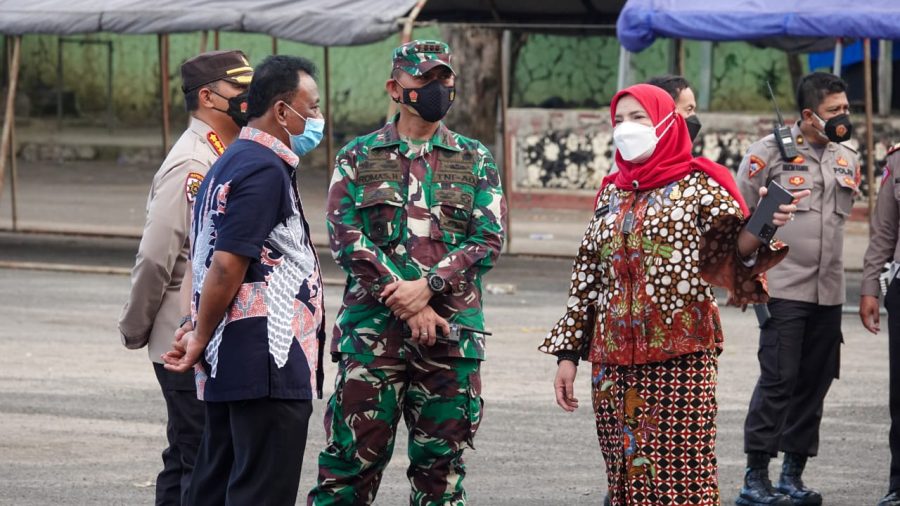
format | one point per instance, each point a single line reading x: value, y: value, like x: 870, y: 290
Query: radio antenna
x: 777, y: 111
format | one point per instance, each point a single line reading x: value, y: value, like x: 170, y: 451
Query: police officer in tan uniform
x: 800, y: 337
x: 215, y: 94
x: 884, y: 246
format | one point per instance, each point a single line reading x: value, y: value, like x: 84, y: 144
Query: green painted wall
x: 582, y: 72
x: 557, y: 71
x: 358, y: 73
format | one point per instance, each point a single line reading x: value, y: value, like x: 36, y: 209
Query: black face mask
x: 237, y: 108
x: 694, y: 126
x: 838, y: 128
x: 431, y: 101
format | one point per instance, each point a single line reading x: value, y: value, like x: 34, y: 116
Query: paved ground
x: 81, y: 418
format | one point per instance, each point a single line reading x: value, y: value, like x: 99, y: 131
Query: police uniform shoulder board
x: 215, y: 142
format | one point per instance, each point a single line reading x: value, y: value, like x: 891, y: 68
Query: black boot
x: 757, y: 489
x: 791, y: 483
x: 891, y: 499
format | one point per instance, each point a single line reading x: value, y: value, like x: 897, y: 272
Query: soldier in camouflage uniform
x: 415, y: 216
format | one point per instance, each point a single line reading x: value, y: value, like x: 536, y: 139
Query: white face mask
x: 636, y: 142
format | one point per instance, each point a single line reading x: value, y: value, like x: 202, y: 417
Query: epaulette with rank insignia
x: 215, y: 142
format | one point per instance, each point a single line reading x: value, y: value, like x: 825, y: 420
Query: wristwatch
x: 436, y: 283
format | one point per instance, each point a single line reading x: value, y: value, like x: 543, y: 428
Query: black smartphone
x: 760, y: 223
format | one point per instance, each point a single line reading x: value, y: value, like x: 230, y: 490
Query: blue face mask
x: 311, y: 136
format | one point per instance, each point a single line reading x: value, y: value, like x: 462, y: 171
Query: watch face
x: 436, y: 283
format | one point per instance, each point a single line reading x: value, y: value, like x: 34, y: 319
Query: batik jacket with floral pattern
x: 641, y: 286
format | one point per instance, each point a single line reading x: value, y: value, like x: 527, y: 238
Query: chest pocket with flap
x: 380, y: 198
x: 452, y: 197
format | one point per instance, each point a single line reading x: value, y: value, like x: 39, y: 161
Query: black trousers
x: 799, y: 356
x: 183, y: 431
x: 892, y: 304
x: 251, y: 453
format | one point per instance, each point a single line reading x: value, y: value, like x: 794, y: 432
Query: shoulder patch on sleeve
x: 756, y: 165
x: 216, y: 143
x: 192, y: 186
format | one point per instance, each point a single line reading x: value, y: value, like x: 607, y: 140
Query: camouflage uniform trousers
x: 440, y: 399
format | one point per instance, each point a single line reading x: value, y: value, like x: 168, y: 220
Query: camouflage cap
x: 420, y: 56
x: 231, y: 66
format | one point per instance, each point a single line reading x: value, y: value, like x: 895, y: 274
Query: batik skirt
x: 657, y: 429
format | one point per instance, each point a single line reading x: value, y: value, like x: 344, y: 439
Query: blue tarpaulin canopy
x: 642, y: 21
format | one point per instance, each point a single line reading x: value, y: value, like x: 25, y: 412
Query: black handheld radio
x: 782, y: 133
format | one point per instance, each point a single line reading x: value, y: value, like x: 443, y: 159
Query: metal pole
x: 59, y: 82
x: 706, y: 72
x: 204, y: 40
x: 870, y: 135
x: 329, y: 121
x: 885, y: 76
x: 838, y: 56
x: 506, y: 162
x: 8, y: 117
x: 275, y: 46
x: 624, y: 68
x: 163, y: 40
x: 216, y: 40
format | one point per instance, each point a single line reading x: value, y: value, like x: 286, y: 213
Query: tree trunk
x: 795, y: 68
x: 476, y: 59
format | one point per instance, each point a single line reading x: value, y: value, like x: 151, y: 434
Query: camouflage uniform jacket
x: 397, y: 211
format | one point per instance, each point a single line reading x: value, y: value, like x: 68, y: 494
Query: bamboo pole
x: 13, y: 165
x: 14, y: 175
x: 9, y: 116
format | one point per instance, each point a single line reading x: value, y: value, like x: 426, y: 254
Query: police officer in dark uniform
x: 884, y: 245
x: 800, y: 338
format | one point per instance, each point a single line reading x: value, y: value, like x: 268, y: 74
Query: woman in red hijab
x: 641, y: 308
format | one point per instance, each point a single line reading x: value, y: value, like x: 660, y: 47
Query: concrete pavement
x: 82, y: 420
